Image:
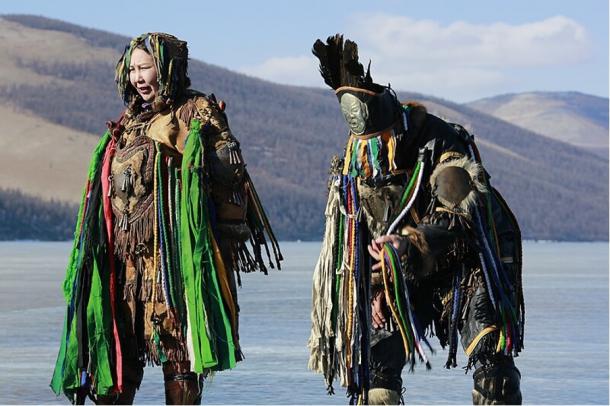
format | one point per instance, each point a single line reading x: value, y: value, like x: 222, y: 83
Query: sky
x: 457, y: 50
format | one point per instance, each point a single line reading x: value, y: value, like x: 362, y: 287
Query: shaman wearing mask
x: 417, y: 244
x: 163, y: 231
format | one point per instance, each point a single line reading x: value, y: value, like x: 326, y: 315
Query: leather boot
x: 382, y: 396
x: 124, y: 398
x: 133, y: 372
x: 497, y: 384
x: 182, y: 387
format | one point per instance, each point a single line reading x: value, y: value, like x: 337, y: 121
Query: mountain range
x: 576, y: 118
x: 57, y: 91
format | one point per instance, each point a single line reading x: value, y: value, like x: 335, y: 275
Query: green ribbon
x: 210, y: 328
x: 67, y: 375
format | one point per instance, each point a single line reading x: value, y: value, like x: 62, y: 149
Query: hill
x: 41, y: 158
x: 288, y: 133
x: 576, y: 118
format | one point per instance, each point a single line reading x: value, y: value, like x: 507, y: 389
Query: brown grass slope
x: 41, y: 158
x: 289, y: 133
x: 576, y: 118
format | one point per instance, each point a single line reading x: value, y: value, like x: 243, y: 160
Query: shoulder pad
x: 201, y: 107
x: 456, y: 183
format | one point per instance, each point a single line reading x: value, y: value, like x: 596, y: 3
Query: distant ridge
x: 289, y: 133
x: 97, y: 38
x: 573, y: 117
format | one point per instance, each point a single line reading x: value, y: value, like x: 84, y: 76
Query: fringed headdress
x: 170, y: 57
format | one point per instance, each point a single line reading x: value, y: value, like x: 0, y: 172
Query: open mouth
x: 144, y: 90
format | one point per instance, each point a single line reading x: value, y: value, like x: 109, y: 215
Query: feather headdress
x: 368, y: 108
x: 339, y: 65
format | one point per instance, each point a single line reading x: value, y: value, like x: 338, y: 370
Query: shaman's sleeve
x: 239, y: 214
x: 225, y: 170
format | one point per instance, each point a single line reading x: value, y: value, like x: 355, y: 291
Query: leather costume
x: 409, y: 172
x: 162, y: 233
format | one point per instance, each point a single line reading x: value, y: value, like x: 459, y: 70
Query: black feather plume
x: 339, y: 65
x: 327, y: 70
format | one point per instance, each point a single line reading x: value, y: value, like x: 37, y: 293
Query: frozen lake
x: 565, y: 360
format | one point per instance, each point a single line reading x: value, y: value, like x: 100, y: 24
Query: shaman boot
x: 182, y: 387
x: 124, y: 398
x: 382, y: 396
x: 497, y: 384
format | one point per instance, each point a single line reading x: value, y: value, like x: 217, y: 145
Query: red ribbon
x: 110, y: 150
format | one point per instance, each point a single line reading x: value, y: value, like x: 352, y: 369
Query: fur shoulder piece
x: 457, y: 182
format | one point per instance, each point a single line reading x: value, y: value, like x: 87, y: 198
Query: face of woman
x: 143, y: 74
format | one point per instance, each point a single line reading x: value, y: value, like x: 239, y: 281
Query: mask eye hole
x: 355, y: 113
